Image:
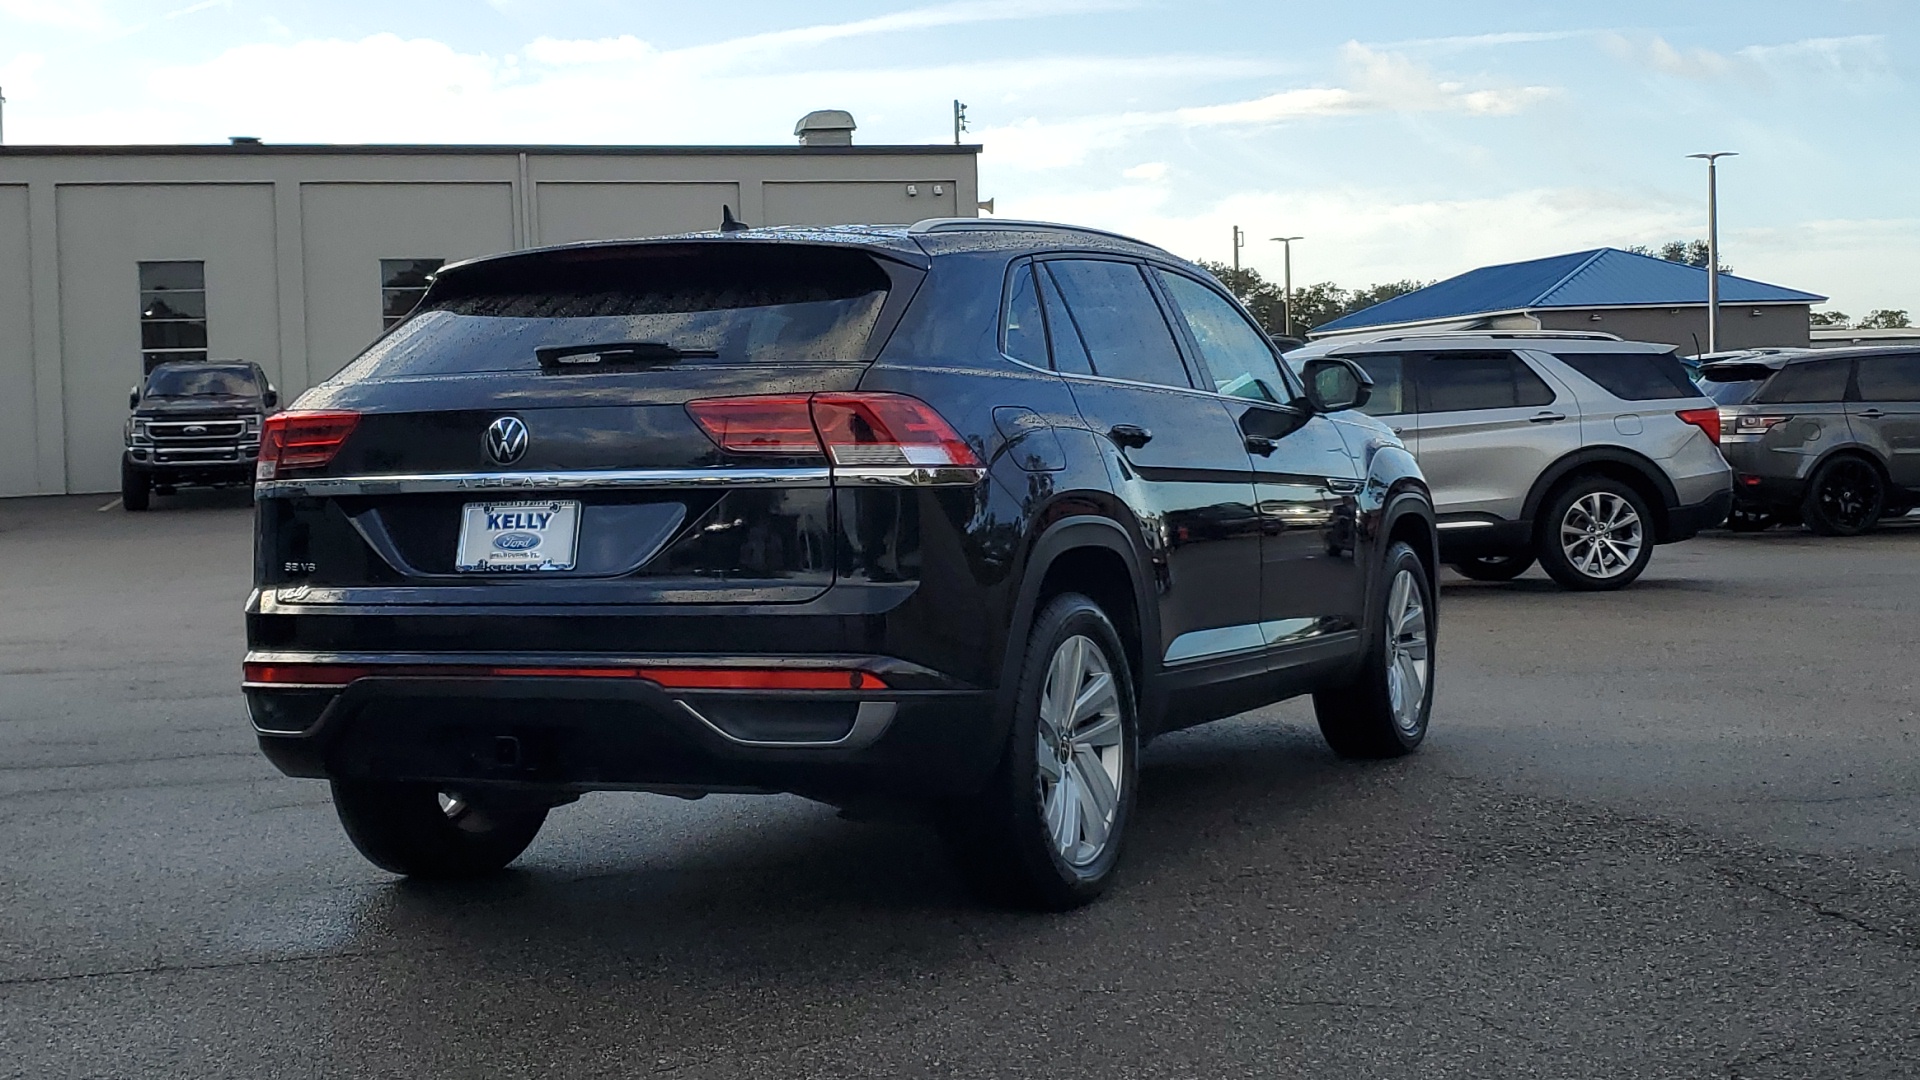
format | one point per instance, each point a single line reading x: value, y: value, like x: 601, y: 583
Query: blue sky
x: 1402, y: 139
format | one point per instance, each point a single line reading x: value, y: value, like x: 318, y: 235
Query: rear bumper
x: 1685, y: 522
x: 922, y: 735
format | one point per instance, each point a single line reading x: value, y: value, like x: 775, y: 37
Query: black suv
x: 958, y: 513
x: 193, y: 422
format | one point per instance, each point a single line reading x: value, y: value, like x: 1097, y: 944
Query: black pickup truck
x: 194, y: 423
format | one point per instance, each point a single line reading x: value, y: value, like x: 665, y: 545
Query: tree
x: 1689, y: 252
x: 1885, y: 319
x: 1313, y: 305
x: 1839, y: 320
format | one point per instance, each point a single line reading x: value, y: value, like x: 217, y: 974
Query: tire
x: 416, y: 830
x: 1750, y: 521
x: 1596, y: 535
x: 136, y: 487
x: 1015, y: 840
x: 1845, y: 497
x: 1495, y: 567
x: 1375, y: 716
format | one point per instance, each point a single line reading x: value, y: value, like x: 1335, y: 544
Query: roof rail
x: 1571, y: 335
x: 944, y: 225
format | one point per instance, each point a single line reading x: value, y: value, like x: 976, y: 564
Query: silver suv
x: 1829, y: 437
x: 1579, y: 450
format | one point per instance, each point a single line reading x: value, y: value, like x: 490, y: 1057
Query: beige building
x: 113, y: 258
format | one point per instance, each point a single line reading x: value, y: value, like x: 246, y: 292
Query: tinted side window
x: 1814, y: 382
x: 1634, y: 376
x: 1026, y: 335
x: 1390, y: 396
x: 1238, y: 357
x: 1460, y: 382
x: 1890, y: 378
x: 1120, y: 321
x: 1069, y: 352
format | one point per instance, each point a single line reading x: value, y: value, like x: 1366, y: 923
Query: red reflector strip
x: 673, y: 678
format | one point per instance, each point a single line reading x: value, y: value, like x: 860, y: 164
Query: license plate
x: 518, y: 536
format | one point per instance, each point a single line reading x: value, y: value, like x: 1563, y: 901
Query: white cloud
x: 19, y: 75
x: 1380, y: 83
x: 560, y: 52
x: 1858, y: 60
x: 1150, y: 171
x: 83, y: 15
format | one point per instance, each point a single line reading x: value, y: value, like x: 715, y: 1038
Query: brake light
x: 302, y: 440
x: 780, y: 424
x: 888, y: 429
x: 1707, y: 420
x: 671, y: 678
x: 850, y: 429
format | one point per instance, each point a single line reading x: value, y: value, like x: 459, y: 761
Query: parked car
x: 193, y: 423
x: 959, y: 513
x: 1831, y: 438
x: 1579, y: 450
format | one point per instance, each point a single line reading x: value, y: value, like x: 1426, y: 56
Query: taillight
x: 302, y: 440
x: 852, y: 430
x: 888, y: 429
x: 1757, y: 425
x: 780, y: 424
x: 1707, y: 420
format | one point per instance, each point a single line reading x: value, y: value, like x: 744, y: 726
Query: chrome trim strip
x: 1246, y: 637
x: 1466, y: 525
x: 583, y: 479
x: 870, y: 721
x: 909, y: 476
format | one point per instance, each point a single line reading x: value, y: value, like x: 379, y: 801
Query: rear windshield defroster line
x: 724, y: 304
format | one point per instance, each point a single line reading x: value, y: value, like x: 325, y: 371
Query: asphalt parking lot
x: 1673, y: 831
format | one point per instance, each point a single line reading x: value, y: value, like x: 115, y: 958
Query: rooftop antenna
x: 959, y: 119
x: 729, y: 223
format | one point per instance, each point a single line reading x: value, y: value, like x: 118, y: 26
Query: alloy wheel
x: 1601, y: 535
x: 1080, y: 750
x: 1849, y: 495
x: 1408, y: 660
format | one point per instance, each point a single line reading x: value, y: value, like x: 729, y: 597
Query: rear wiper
x: 616, y: 353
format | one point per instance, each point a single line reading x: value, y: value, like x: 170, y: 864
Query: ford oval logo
x: 517, y: 541
x: 507, y: 440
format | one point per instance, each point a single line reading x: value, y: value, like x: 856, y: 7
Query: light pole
x: 1286, y: 286
x: 1713, y: 246
x: 1239, y: 241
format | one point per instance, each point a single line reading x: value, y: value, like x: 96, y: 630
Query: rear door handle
x: 1262, y: 445
x: 1546, y: 418
x: 1870, y: 414
x: 1341, y: 485
x: 1129, y: 435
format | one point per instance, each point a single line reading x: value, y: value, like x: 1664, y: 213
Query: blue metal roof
x: 1602, y: 277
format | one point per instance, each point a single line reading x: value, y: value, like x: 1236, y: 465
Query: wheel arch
x: 1099, y: 557
x: 1616, y: 463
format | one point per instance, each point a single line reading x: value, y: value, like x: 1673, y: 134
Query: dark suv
x: 193, y: 422
x: 1828, y: 437
x: 958, y: 514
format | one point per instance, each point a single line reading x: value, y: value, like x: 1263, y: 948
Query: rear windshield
x: 202, y: 382
x: 1634, y: 376
x: 744, y: 304
x: 1734, y: 384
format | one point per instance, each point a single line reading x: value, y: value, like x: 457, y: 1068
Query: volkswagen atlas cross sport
x: 959, y: 513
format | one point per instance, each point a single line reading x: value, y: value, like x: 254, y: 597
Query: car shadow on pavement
x: 821, y: 902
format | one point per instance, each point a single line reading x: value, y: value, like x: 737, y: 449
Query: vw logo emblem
x: 507, y: 440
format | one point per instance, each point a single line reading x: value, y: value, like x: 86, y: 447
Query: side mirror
x: 133, y: 397
x: 1335, y: 384
x: 271, y: 399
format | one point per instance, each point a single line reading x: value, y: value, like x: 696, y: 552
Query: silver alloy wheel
x: 1409, y: 662
x: 1081, y: 747
x: 1601, y: 535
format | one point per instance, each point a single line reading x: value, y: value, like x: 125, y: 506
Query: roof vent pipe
x: 825, y: 127
x: 244, y: 140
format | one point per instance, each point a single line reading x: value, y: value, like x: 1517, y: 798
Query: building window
x: 173, y: 312
x: 402, y: 283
